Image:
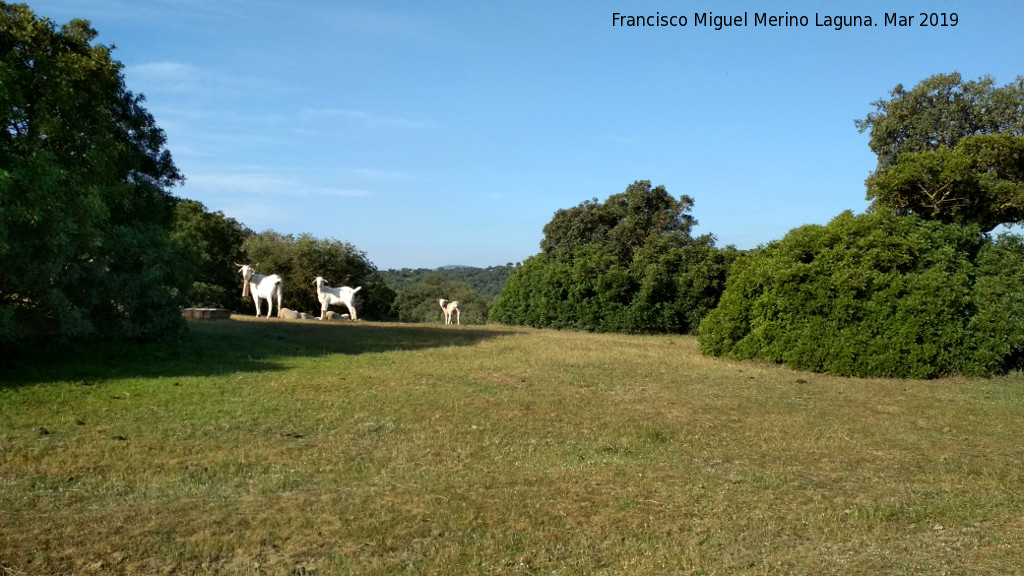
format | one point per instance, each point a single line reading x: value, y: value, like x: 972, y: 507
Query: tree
x: 300, y: 260
x: 939, y: 112
x: 85, y: 203
x: 949, y: 150
x: 215, y: 244
x: 979, y: 180
x: 625, y: 265
x: 419, y: 302
x: 622, y: 223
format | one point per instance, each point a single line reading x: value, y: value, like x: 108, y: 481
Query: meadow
x: 300, y: 448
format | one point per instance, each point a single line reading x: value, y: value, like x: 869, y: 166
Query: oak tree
x: 85, y: 180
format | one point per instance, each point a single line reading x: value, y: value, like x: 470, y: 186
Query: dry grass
x: 298, y: 448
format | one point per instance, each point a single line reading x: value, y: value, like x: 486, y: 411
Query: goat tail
x: 357, y: 289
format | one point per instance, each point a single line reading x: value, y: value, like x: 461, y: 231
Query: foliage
x: 215, y: 245
x: 874, y: 294
x: 85, y: 207
x: 487, y: 282
x: 300, y: 260
x: 939, y: 112
x: 625, y: 265
x: 664, y: 291
x: 980, y: 180
x: 997, y: 327
x: 419, y: 302
x: 622, y: 223
x: 950, y: 150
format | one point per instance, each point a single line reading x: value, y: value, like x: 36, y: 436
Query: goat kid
x: 330, y: 296
x: 262, y: 287
x: 448, y: 308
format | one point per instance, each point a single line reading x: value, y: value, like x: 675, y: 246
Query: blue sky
x: 437, y: 133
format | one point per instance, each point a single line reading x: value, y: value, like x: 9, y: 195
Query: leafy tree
x: 939, y: 112
x: 85, y: 207
x: 980, y: 180
x: 215, y: 244
x: 418, y: 302
x: 622, y: 223
x: 950, y: 150
x: 625, y: 265
x: 300, y: 260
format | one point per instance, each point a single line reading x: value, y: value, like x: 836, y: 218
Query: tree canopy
x: 214, y: 242
x: 622, y: 223
x: 85, y: 180
x: 627, y: 264
x: 299, y: 260
x: 950, y: 150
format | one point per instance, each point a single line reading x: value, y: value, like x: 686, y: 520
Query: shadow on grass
x: 227, y: 346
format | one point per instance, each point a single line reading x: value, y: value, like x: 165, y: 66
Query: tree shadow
x: 218, y: 347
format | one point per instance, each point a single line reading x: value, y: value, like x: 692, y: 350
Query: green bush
x: 997, y: 328
x: 873, y: 295
x: 664, y: 290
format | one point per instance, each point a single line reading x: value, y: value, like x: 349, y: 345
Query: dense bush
x: 663, y: 290
x: 877, y: 295
x: 627, y: 264
x: 419, y: 302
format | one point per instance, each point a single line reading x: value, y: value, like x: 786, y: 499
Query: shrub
x: 873, y: 295
x: 664, y: 290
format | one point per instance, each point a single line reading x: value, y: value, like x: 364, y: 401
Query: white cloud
x: 379, y: 175
x: 367, y: 119
x: 263, y: 185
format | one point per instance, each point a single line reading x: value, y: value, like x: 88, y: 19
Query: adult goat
x: 328, y: 296
x: 261, y: 287
x: 449, y: 308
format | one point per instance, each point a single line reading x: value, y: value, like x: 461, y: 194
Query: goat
x: 448, y: 308
x: 328, y: 296
x: 261, y: 287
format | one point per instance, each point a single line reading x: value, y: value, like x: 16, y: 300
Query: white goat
x: 261, y: 287
x: 329, y: 296
x: 448, y: 308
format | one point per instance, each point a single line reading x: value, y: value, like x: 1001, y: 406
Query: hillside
x: 488, y: 281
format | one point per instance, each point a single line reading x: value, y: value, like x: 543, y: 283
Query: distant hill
x: 488, y: 281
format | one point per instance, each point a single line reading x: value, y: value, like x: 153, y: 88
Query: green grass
x: 272, y: 447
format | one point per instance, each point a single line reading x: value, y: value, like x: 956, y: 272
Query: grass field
x: 273, y: 447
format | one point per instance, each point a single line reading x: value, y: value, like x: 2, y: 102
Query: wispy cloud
x: 367, y: 119
x: 380, y: 175
x: 264, y: 185
x: 170, y: 78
